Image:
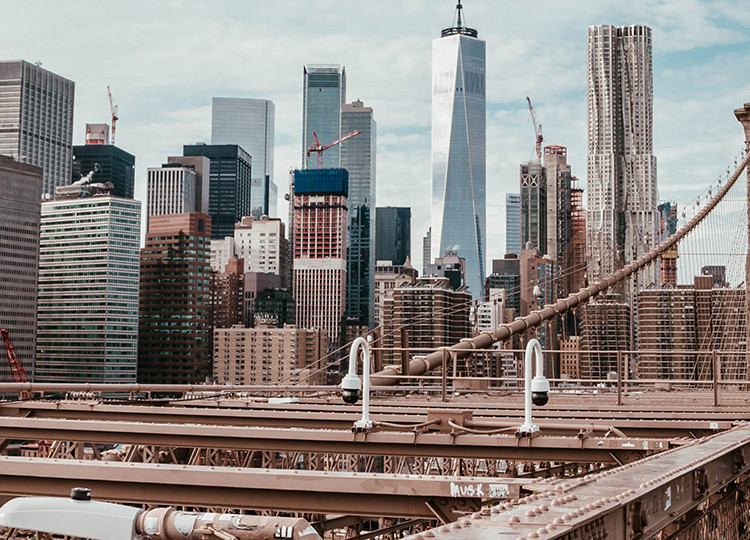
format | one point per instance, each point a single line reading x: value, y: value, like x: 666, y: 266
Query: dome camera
x: 538, y: 398
x: 351, y: 386
x: 539, y: 390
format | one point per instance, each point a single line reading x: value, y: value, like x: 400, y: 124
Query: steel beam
x: 593, y: 449
x: 361, y: 494
x: 635, y: 501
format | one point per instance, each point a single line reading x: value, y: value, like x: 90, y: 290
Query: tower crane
x: 537, y: 130
x: 17, y: 371
x: 317, y: 147
x: 113, y: 109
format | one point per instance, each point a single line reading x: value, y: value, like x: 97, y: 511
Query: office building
x: 432, y: 313
x: 513, y: 223
x: 389, y: 277
x: 275, y: 306
x: 449, y: 266
x: 576, y: 261
x: 622, y: 220
x: 287, y: 355
x: 559, y: 178
x: 228, y: 295
x: 506, y: 275
x: 201, y: 166
x: 262, y: 243
x: 109, y: 163
x: 358, y: 158
x: 36, y: 120
x: 256, y: 284
x: 20, y: 208
x: 534, y: 205
x: 319, y: 231
x: 392, y: 234
x: 250, y: 123
x: 221, y: 252
x: 88, y: 287
x: 605, y: 329
x: 667, y: 227
x: 175, y: 332
x: 426, y: 249
x: 459, y: 149
x: 230, y: 180
x: 324, y: 92
x: 537, y: 289
x: 170, y: 189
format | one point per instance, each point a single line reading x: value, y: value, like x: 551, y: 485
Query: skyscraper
x: 175, y: 334
x: 109, y: 163
x: 358, y: 158
x: 319, y: 230
x: 170, y: 190
x: 458, y: 149
x: 557, y: 170
x: 250, y: 124
x: 534, y: 205
x: 36, y: 120
x: 20, y: 208
x: 622, y: 219
x: 513, y: 223
x: 229, y: 184
x: 324, y: 92
x: 392, y: 234
x: 88, y: 287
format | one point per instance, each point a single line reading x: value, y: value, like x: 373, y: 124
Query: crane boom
x: 114, y: 110
x: 317, y: 147
x: 17, y: 370
x: 537, y: 130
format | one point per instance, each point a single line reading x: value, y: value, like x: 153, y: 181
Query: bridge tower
x: 743, y: 115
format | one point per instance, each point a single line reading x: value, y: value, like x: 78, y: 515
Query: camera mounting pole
x: 536, y: 390
x: 351, y: 383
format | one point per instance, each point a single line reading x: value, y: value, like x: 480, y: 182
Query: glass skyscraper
x: 250, y: 124
x: 513, y: 223
x: 36, y: 120
x: 324, y: 93
x: 358, y: 157
x: 458, y: 149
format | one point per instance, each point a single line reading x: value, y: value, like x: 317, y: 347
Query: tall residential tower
x: 324, y: 93
x: 622, y: 218
x: 459, y: 149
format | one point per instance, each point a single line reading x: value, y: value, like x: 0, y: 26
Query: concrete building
x: 221, y: 252
x: 622, y: 220
x: 230, y: 182
x: 250, y: 123
x: 324, y: 92
x: 36, y: 115
x: 534, y: 205
x: 538, y: 289
x: 228, y: 295
x: 432, y: 314
x: 513, y: 223
x: 459, y: 149
x: 256, y: 284
x: 175, y: 333
x: 275, y: 306
x: 506, y: 275
x: 576, y: 260
x: 20, y: 208
x: 88, y: 287
x: 570, y: 357
x: 450, y: 266
x: 605, y: 329
x: 262, y: 243
x: 426, y: 249
x: 388, y: 278
x: 393, y: 234
x: 667, y: 227
x: 358, y: 157
x: 201, y: 166
x: 109, y: 163
x: 171, y: 189
x: 320, y: 238
x: 287, y: 355
x: 557, y: 172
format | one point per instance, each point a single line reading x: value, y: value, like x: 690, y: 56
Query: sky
x: 165, y: 60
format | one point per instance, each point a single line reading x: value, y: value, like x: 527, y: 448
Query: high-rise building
x: 250, y: 123
x: 201, y: 166
x: 667, y: 227
x: 20, y: 208
x: 275, y: 306
x: 109, y: 164
x: 88, y: 287
x: 559, y: 179
x: 389, y: 277
x: 170, y: 190
x: 426, y: 250
x: 506, y: 275
x: 319, y: 231
x: 605, y: 329
x: 534, y: 205
x: 268, y: 355
x: 36, y: 120
x: 622, y: 219
x: 263, y: 245
x: 174, y: 338
x: 513, y: 223
x: 459, y: 149
x: 228, y: 295
x: 537, y: 289
x: 392, y: 234
x: 324, y: 92
x: 358, y: 158
x: 576, y: 260
x: 229, y: 184
x: 221, y: 252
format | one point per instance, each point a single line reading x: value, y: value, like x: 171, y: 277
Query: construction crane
x: 17, y: 371
x: 113, y: 109
x: 317, y: 147
x: 537, y: 130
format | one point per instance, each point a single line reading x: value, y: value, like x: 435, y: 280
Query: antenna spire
x: 460, y: 28
x: 459, y: 8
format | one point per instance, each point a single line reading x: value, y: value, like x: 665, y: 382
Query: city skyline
x: 388, y: 67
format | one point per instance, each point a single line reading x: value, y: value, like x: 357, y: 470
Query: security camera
x: 351, y: 386
x: 539, y: 390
